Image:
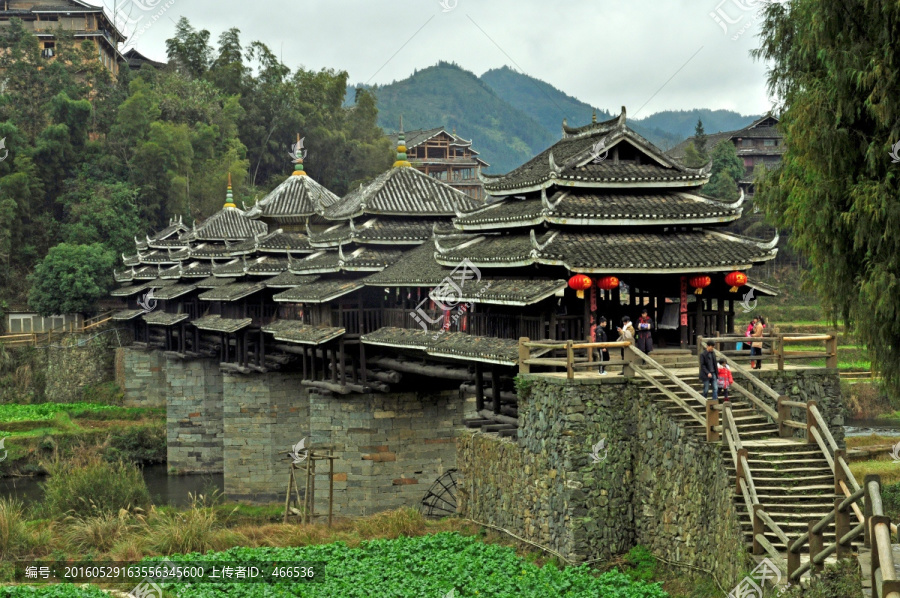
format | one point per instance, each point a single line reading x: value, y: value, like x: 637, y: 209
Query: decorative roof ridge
x: 478, y: 210
x: 594, y: 128
x: 767, y: 245
x: 469, y: 243
x: 714, y: 201
x: 548, y: 205
x: 541, y: 246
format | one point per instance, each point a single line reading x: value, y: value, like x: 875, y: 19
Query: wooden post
x: 630, y: 358
x: 810, y: 423
x: 341, y: 363
x: 816, y: 544
x: 700, y: 329
x: 712, y: 420
x: 793, y: 562
x: 778, y: 349
x: 867, y: 512
x: 524, y: 354
x: 720, y: 316
x: 362, y: 362
x: 784, y: 414
x: 758, y: 528
x: 841, y: 525
x: 831, y: 347
x: 495, y: 389
x: 479, y: 387
x: 739, y: 470
x: 287, y: 497
x: 570, y: 360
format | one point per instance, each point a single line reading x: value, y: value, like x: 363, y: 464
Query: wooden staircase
x: 794, y: 482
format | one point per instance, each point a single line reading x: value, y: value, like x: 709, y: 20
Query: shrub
x: 98, y: 532
x: 139, y: 444
x: 642, y: 564
x: 14, y: 537
x: 87, y: 485
x: 197, y: 529
x: 841, y: 579
x: 890, y: 496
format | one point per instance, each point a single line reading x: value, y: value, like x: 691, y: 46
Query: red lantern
x: 580, y: 283
x: 736, y: 279
x: 608, y: 283
x: 700, y: 283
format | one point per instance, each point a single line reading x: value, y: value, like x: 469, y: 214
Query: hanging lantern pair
x: 736, y: 280
x: 580, y: 283
x: 699, y: 283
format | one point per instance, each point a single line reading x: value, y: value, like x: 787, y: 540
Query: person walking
x: 602, y: 338
x: 644, y: 336
x: 725, y: 378
x: 709, y: 372
x: 756, y: 346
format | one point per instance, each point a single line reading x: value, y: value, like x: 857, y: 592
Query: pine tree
x: 700, y: 140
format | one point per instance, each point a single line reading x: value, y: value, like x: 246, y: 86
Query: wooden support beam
x: 495, y: 389
x: 479, y: 387
x: 436, y: 371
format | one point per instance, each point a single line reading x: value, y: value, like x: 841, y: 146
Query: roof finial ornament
x: 594, y: 116
x: 401, y: 162
x: 554, y: 169
x: 341, y: 258
x: 621, y: 120
x: 297, y: 153
x: 229, y: 196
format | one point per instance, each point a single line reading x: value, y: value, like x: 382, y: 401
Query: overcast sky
x: 648, y: 55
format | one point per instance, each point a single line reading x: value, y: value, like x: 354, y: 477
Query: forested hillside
x: 94, y: 161
x: 448, y: 95
x: 505, y: 111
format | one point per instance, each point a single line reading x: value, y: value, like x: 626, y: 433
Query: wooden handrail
x: 678, y: 400
x: 749, y: 376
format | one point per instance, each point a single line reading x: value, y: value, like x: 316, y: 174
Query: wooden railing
x: 709, y: 417
x: 776, y: 344
x: 533, y: 352
x: 36, y: 339
x: 746, y: 487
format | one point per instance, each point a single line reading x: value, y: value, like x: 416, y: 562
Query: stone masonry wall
x: 820, y: 384
x: 142, y: 376
x: 683, y: 498
x: 264, y: 416
x: 558, y: 487
x: 194, y: 423
x: 390, y: 447
x: 547, y: 487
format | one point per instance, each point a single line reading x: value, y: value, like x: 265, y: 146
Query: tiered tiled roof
x: 293, y: 201
x: 382, y: 231
x: 362, y: 259
x: 220, y: 324
x: 232, y: 292
x: 161, y: 318
x: 229, y: 224
x: 402, y: 192
x: 599, y: 155
x: 601, y: 209
x: 455, y: 345
x: 639, y: 252
x: 292, y: 331
x: 319, y: 291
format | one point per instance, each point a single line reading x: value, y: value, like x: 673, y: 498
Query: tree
x: 71, y: 279
x: 692, y: 158
x: 833, y: 64
x: 727, y: 170
x: 700, y: 139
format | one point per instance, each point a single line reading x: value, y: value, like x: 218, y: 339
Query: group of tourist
x: 717, y: 376
x: 627, y: 333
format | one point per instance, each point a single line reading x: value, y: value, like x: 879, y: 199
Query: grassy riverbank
x: 35, y: 434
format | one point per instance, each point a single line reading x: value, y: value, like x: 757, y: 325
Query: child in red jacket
x: 725, y: 378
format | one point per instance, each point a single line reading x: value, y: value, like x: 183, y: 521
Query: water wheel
x: 440, y: 501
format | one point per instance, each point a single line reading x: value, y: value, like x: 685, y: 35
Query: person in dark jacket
x: 644, y: 334
x: 602, y: 338
x: 709, y: 371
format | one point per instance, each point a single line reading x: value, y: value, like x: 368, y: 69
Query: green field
x: 438, y: 565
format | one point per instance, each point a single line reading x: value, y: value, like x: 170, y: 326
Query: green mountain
x: 550, y: 105
x: 447, y: 95
x: 511, y: 116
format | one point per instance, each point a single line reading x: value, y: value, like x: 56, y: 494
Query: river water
x: 164, y: 489
x: 174, y: 490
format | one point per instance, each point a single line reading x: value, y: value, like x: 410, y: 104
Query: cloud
x: 608, y: 54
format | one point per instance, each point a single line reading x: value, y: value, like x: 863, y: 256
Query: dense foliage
x: 835, y: 66
x: 94, y: 161
x: 727, y: 171
x: 90, y: 485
